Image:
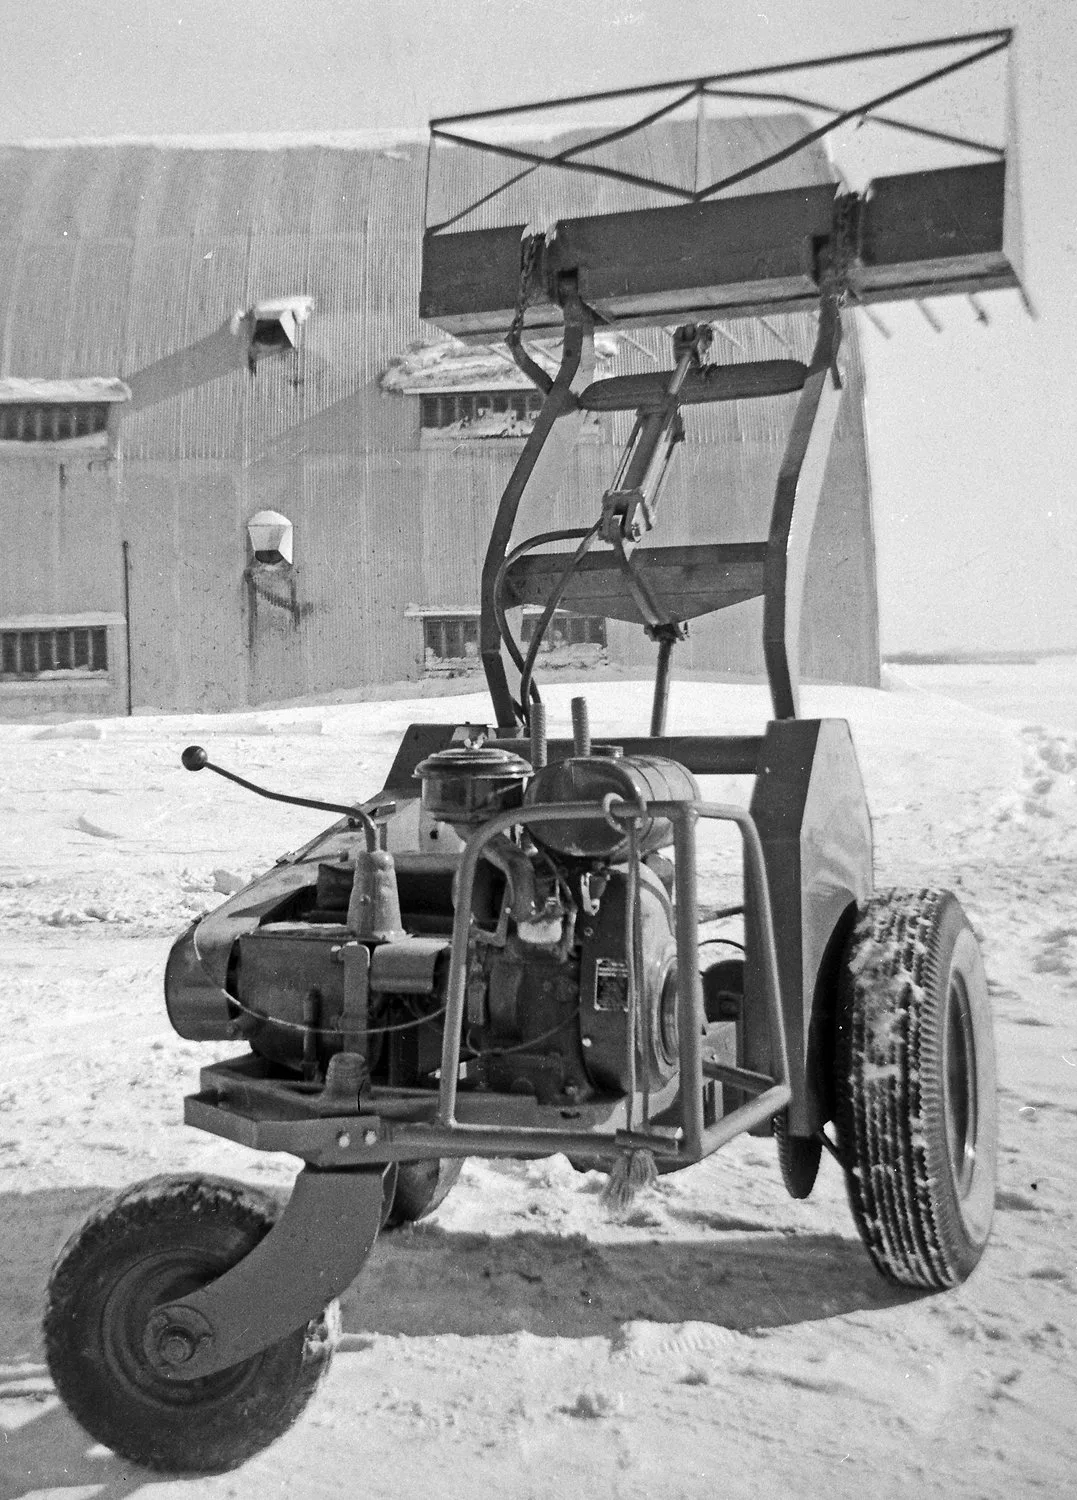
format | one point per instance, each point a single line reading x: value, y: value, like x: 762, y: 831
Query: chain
x: 530, y: 250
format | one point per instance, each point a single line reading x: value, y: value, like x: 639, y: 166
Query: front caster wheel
x: 159, y: 1241
x: 917, y: 1120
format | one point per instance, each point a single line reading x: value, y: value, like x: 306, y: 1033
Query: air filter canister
x: 466, y: 785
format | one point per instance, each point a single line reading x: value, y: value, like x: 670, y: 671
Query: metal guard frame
x: 779, y: 564
x: 987, y: 43
x: 360, y: 1140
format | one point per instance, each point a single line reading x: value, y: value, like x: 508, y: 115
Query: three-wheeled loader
x: 498, y: 954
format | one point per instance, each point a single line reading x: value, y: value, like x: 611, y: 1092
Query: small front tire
x: 158, y: 1241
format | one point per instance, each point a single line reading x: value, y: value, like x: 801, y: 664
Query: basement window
x: 57, y: 651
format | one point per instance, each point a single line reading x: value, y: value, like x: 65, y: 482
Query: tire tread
x: 169, y: 1444
x: 890, y: 1089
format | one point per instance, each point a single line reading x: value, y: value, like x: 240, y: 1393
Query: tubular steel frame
x: 366, y: 1138
x: 700, y: 88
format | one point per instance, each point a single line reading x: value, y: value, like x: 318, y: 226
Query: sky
x: 972, y: 431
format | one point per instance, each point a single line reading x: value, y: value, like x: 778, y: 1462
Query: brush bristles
x: 631, y: 1173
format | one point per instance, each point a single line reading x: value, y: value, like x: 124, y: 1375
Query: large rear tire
x: 160, y: 1240
x: 917, y: 1117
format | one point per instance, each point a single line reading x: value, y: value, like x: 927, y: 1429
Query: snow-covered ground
x: 725, y: 1340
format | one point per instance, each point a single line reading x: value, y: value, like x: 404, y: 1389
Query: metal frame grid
x: 715, y: 86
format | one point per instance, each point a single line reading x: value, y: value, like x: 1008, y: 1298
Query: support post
x: 127, y: 625
x: 539, y: 471
x: 796, y: 500
x: 314, y: 1251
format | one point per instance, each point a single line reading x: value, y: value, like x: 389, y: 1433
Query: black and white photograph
x: 538, y: 750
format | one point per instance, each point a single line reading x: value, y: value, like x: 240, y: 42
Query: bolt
x: 586, y: 1041
x: 344, y: 1140
x: 176, y: 1346
x: 370, y: 1138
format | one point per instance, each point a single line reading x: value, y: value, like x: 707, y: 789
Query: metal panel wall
x: 131, y: 260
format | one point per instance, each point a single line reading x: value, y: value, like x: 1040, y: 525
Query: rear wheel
x: 157, y: 1242
x: 421, y: 1186
x: 917, y: 1118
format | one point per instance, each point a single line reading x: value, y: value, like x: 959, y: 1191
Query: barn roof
x: 116, y: 254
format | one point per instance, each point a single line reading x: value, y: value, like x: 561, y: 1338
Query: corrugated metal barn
x: 161, y: 384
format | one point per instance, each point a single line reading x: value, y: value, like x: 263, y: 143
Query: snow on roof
x: 346, y: 140
x: 449, y: 364
x: 15, y: 390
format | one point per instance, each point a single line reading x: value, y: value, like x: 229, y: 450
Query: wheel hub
x: 961, y: 1106
x: 173, y: 1337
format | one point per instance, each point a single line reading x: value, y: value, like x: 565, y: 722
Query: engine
x: 564, y: 927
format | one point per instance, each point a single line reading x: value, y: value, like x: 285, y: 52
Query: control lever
x: 194, y: 758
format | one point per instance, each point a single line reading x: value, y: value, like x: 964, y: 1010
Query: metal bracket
x: 314, y: 1251
x: 539, y: 470
x: 631, y: 502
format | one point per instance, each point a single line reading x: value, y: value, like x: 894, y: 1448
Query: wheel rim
x: 147, y: 1284
x: 961, y: 1098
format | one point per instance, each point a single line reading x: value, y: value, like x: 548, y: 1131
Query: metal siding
x: 61, y: 545
x: 120, y: 199
x: 48, y: 170
x: 9, y: 297
x: 38, y: 320
x: 19, y: 172
x: 165, y: 246
x: 98, y: 310
x: 187, y: 550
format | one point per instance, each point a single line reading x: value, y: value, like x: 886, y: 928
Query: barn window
x: 57, y: 415
x: 51, y: 421
x: 60, y: 649
x: 565, y: 630
x: 450, y: 643
x: 479, y: 414
x: 451, y: 638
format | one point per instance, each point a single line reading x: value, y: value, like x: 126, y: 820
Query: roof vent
x: 272, y: 326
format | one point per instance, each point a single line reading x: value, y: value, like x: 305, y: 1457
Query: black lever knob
x: 194, y: 758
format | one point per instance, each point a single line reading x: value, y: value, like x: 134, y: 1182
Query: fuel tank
x: 590, y: 779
